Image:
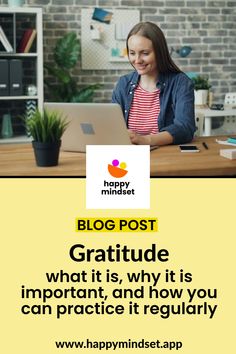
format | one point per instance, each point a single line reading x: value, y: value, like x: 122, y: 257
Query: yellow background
x: 196, y: 221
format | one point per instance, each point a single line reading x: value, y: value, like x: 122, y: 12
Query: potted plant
x: 201, y: 89
x: 46, y: 130
x: 65, y: 89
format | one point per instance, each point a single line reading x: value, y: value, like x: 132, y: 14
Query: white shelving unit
x: 15, y: 13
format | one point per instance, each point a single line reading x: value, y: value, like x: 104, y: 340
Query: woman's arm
x: 182, y: 127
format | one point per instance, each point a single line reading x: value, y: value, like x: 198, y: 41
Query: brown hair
x: 154, y: 33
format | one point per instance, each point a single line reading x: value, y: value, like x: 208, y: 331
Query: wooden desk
x: 169, y: 161
x: 18, y: 160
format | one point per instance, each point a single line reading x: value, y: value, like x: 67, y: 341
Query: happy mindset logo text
x: 117, y: 170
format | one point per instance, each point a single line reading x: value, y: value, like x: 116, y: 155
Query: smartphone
x: 188, y: 148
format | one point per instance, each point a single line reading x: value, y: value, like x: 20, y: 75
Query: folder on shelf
x: 26, y: 40
x: 5, y: 42
x: 4, y: 77
x: 15, y: 77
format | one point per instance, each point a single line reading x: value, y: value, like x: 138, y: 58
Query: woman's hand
x: 162, y: 138
x: 139, y: 139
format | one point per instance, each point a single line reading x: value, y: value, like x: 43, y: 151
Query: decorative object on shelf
x: 119, y: 51
x: 5, y: 42
x: 30, y: 109
x: 201, y: 90
x: 115, y: 52
x: 14, y: 3
x: 210, y: 98
x: 66, y: 56
x: 46, y: 129
x: 182, y: 52
x: 6, y: 131
x: 31, y: 90
x: 191, y: 74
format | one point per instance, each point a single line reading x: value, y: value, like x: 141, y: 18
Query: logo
x: 117, y: 169
x: 114, y: 179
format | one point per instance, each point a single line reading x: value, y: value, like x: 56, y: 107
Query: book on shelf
x: 26, y: 40
x: 30, y: 41
x: 5, y: 42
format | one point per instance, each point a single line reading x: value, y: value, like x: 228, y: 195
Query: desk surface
x: 18, y: 160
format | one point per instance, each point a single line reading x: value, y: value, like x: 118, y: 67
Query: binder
x: 4, y: 77
x: 15, y: 77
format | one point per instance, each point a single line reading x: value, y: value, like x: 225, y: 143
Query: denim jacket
x: 176, y: 103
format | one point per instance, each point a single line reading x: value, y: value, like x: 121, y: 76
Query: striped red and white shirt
x: 144, y: 111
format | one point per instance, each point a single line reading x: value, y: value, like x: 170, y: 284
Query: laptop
x: 91, y: 124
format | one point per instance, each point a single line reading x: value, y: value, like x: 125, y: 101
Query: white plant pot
x: 200, y: 97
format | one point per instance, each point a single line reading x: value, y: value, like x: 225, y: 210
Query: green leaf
x: 201, y: 83
x: 67, y: 51
x: 62, y: 75
x: 46, y: 127
x: 86, y: 94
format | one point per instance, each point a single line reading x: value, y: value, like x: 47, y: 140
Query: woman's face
x: 141, y: 55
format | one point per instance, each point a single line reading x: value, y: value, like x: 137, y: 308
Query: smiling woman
x: 157, y: 99
x: 142, y: 57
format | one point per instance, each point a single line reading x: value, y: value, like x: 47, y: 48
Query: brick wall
x: 209, y: 27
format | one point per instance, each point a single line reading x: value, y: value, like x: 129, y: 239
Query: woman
x: 157, y: 99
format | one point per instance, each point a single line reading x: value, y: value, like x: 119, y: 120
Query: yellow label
x: 116, y: 224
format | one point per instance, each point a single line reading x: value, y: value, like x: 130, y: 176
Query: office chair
x: 230, y: 99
